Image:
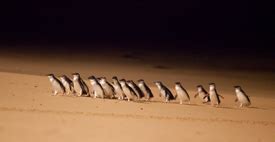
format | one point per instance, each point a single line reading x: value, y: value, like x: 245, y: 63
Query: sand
x: 28, y: 112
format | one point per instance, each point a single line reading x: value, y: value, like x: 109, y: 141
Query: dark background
x: 185, y: 24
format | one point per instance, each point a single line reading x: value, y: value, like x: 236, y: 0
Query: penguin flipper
x: 84, y: 85
x: 196, y: 95
x: 171, y: 96
x: 221, y: 96
x: 149, y: 92
x: 176, y: 95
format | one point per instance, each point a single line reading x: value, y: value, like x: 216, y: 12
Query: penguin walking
x: 128, y: 91
x: 107, y: 87
x: 137, y: 90
x: 203, y: 94
x: 214, y: 96
x: 67, y: 83
x: 181, y: 93
x: 57, y: 86
x: 80, y: 87
x: 242, y: 98
x: 145, y: 89
x: 118, y: 89
x: 97, y: 90
x: 164, y: 92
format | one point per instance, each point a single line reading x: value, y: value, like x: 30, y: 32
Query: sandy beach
x: 28, y: 112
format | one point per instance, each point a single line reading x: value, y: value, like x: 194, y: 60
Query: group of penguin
x: 129, y: 90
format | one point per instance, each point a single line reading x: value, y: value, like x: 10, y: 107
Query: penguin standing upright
x: 67, y: 83
x: 164, y: 92
x: 181, y: 93
x: 214, y: 96
x: 97, y: 90
x: 57, y: 86
x: 137, y: 90
x: 107, y: 87
x: 80, y: 87
x: 128, y: 91
x: 203, y: 94
x: 242, y: 98
x: 145, y: 89
x: 118, y: 89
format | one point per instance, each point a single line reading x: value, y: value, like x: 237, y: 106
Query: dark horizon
x: 223, y: 24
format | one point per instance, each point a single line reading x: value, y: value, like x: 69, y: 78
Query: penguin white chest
x: 56, y: 85
x: 202, y: 95
x: 181, y: 94
x: 242, y: 98
x: 77, y: 87
x: 126, y: 90
x: 213, y: 96
x: 66, y: 84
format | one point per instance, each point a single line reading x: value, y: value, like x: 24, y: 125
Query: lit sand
x: 28, y: 112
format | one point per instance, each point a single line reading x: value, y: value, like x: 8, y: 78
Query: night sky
x: 230, y: 24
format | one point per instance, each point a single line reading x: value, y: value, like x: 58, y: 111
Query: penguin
x: 107, y: 87
x: 118, y: 89
x: 164, y: 92
x: 203, y: 94
x: 67, y: 83
x: 145, y: 89
x: 80, y: 87
x: 181, y: 93
x: 97, y: 89
x: 214, y: 96
x: 137, y: 90
x: 128, y: 91
x: 242, y: 98
x: 57, y: 86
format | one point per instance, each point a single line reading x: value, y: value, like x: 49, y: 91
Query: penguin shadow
x: 183, y: 104
x: 146, y: 101
x: 225, y: 107
x: 142, y: 102
x: 131, y: 56
x: 162, y: 67
x: 254, y: 107
x: 162, y: 102
x: 238, y: 108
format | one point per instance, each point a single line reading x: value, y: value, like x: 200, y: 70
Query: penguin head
x: 237, y: 88
x: 199, y: 88
x: 50, y: 76
x: 92, y: 79
x: 130, y: 83
x: 140, y: 81
x: 102, y: 80
x: 158, y: 84
x: 76, y: 76
x: 114, y: 78
x: 122, y: 82
x: 62, y: 77
x: 177, y: 83
x: 212, y: 86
